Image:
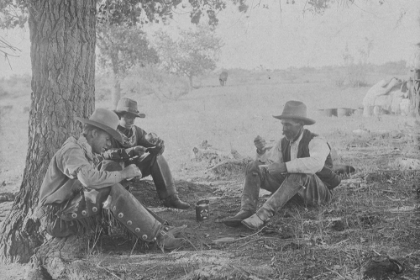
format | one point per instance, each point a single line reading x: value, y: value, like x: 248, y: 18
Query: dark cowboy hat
x: 127, y: 105
x: 105, y: 120
x: 295, y: 110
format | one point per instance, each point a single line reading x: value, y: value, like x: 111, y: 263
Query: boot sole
x: 248, y: 226
x: 234, y: 223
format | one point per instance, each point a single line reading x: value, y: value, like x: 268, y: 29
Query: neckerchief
x: 128, y: 135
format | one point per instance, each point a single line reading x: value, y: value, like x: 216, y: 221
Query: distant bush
x: 3, y: 91
x: 16, y: 85
x: 356, y: 75
x: 150, y: 80
x: 307, y: 69
x: 19, y: 80
x: 104, y: 85
x: 353, y: 75
x: 393, y: 68
x: 103, y: 94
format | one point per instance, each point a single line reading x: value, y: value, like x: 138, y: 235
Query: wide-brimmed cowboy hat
x: 127, y: 105
x: 295, y: 110
x: 104, y: 119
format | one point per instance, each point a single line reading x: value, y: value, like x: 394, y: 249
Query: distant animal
x: 223, y: 78
x: 386, y: 97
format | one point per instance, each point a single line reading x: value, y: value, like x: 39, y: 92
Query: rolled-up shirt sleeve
x: 318, y: 153
x: 75, y: 165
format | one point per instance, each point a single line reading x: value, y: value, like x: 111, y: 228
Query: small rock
x: 382, y: 269
x: 338, y: 225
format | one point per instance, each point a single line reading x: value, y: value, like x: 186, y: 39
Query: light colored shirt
x: 318, y: 151
x: 74, y: 161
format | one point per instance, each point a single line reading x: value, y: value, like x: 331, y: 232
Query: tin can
x: 202, y: 210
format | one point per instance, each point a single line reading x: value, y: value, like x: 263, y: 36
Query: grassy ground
x: 373, y: 214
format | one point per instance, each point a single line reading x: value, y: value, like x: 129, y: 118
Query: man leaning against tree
x: 298, y: 168
x: 75, y: 195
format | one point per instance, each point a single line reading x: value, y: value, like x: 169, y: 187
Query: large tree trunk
x: 62, y: 34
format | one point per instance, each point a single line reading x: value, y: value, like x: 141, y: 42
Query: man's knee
x: 252, y: 168
x: 118, y: 189
x: 299, y: 178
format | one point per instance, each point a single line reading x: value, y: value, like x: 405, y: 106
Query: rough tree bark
x: 62, y: 34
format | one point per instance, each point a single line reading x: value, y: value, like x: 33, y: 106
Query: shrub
x: 352, y: 75
x: 150, y: 80
x: 3, y: 91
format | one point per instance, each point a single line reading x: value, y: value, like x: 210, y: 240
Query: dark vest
x: 326, y: 175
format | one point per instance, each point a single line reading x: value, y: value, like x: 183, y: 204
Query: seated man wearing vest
x: 299, y: 166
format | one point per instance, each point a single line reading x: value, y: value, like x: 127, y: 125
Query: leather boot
x: 162, y: 177
x: 235, y: 221
x: 173, y: 201
x: 165, y: 184
x: 166, y: 239
x: 257, y: 220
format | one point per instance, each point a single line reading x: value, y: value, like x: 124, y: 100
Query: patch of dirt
x: 331, y: 242
x: 298, y: 243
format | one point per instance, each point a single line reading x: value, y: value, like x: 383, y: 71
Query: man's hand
x: 160, y: 144
x: 260, y: 143
x: 130, y: 172
x: 116, y: 154
x: 158, y: 149
x: 277, y: 168
x: 139, y: 150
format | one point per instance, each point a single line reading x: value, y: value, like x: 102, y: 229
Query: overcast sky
x: 277, y: 39
x: 275, y: 36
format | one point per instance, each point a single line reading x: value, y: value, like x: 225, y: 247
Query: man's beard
x: 293, y: 137
x: 288, y: 136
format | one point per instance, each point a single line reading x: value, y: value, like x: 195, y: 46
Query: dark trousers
x: 154, y: 165
x: 306, y: 189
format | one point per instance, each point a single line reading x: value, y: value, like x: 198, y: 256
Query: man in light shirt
x: 299, y: 167
x: 75, y: 197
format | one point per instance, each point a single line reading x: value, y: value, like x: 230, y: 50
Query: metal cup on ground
x: 202, y: 210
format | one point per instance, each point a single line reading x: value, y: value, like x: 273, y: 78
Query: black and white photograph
x: 209, y: 139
